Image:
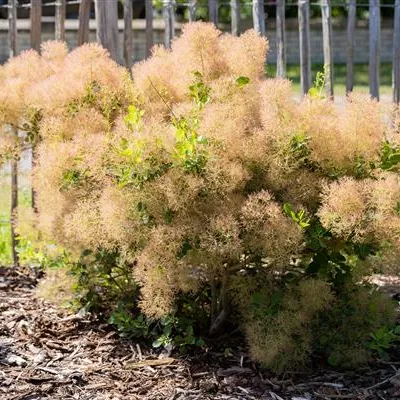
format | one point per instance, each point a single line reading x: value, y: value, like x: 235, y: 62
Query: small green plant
x: 127, y: 325
x: 89, y: 99
x: 383, y: 339
x: 72, y: 178
x: 104, y: 281
x: 136, y: 164
x: 5, y: 243
x: 177, y: 332
x: 298, y: 147
x: 189, y: 146
x: 199, y: 91
x: 171, y: 331
x: 41, y: 254
x: 242, y: 81
x: 390, y: 156
x: 300, y: 217
x: 133, y: 118
x: 317, y: 90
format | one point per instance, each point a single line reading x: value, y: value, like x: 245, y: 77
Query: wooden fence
x: 106, y: 12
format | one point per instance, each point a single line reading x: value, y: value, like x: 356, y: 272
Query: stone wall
x: 292, y: 39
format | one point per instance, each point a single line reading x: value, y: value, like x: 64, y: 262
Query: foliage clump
x: 201, y: 188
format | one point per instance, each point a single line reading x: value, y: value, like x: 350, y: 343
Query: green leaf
x: 287, y: 208
x: 198, y: 74
x: 202, y: 140
x: 390, y: 156
x: 158, y: 343
x: 199, y: 91
x: 134, y: 117
x: 242, y: 81
x: 313, y: 92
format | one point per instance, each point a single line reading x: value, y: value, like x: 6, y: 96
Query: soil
x: 46, y: 353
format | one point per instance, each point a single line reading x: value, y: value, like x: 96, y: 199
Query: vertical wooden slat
x: 149, y: 26
x: 12, y: 39
x: 213, y: 11
x: 169, y: 19
x: 13, y: 210
x: 14, y: 206
x: 259, y: 17
x: 326, y: 13
x: 192, y: 10
x: 12, y: 28
x: 280, y: 39
x: 351, y: 28
x: 36, y: 23
x: 83, y: 25
x: 396, y: 53
x: 33, y: 166
x: 107, y: 27
x: 305, y: 52
x: 128, y: 33
x: 374, y: 47
x: 36, y: 30
x: 235, y: 17
x: 60, y: 19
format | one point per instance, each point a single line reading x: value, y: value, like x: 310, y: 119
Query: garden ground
x: 47, y: 354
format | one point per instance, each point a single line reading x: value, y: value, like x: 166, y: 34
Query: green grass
x: 361, y: 80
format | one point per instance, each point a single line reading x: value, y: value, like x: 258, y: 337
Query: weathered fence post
x: 14, y: 205
x: 169, y: 19
x: 213, y: 11
x: 36, y: 31
x: 327, y: 42
x: 374, y: 47
x: 12, y: 39
x: 351, y: 28
x: 149, y: 26
x: 396, y: 53
x: 280, y: 39
x: 235, y: 17
x: 259, y: 17
x: 128, y: 33
x: 107, y: 27
x: 12, y: 28
x: 192, y: 10
x: 84, y: 17
x: 36, y: 23
x: 60, y: 19
x: 305, y: 52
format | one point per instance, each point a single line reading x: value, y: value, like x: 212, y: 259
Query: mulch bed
x: 47, y: 354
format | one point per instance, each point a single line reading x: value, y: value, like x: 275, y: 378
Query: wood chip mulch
x: 47, y: 354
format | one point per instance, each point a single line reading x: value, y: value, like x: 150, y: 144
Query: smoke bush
x: 201, y: 176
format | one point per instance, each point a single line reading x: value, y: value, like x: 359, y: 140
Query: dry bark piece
x: 151, y: 363
x: 13, y: 359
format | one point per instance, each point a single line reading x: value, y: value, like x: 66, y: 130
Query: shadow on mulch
x: 47, y: 354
